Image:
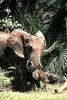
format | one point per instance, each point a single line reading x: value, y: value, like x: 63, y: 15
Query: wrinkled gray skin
x: 36, y: 42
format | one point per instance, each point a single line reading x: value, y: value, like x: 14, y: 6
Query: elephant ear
x: 15, y: 43
x: 42, y: 38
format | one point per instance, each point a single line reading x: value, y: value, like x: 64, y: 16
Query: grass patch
x: 3, y: 78
x: 5, y: 81
x: 38, y: 95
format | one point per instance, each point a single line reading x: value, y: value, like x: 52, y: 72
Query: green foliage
x: 7, y: 24
x: 36, y: 95
x: 54, y: 63
x: 3, y: 78
x: 53, y: 60
x: 32, y: 22
x: 47, y: 16
x: 65, y: 67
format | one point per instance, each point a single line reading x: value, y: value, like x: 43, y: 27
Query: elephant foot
x: 23, y: 87
x: 23, y: 90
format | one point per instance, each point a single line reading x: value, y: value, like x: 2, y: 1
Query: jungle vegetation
x: 48, y: 16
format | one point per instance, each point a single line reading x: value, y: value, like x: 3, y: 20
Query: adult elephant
x: 32, y: 48
x: 25, y: 46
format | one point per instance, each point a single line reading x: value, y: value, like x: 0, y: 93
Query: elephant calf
x: 41, y: 76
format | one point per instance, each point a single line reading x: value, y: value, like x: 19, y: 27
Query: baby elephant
x: 41, y: 76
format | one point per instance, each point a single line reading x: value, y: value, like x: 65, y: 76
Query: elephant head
x: 22, y: 42
x: 38, y: 44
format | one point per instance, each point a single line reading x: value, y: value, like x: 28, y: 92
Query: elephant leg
x: 21, y: 76
x: 20, y: 80
x: 23, y: 81
x: 37, y: 82
x: 16, y: 83
x: 44, y: 79
x: 43, y: 85
x: 33, y: 84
